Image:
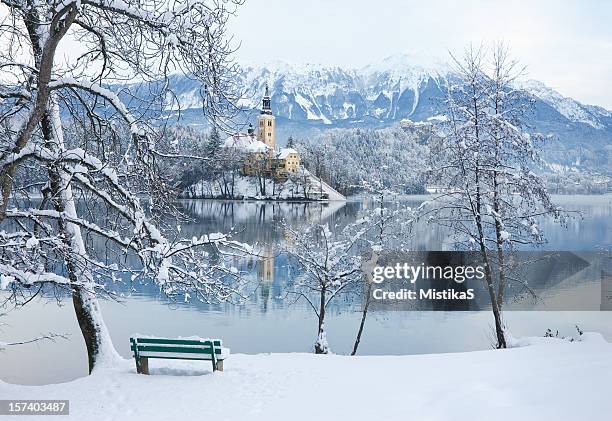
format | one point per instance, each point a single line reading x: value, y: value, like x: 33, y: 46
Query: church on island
x: 261, y: 157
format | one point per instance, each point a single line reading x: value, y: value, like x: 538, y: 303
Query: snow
x: 248, y: 188
x: 285, y: 152
x: 172, y: 40
x: 215, y: 236
x: 31, y: 243
x: 245, y: 142
x: 547, y: 379
x: 163, y: 273
x: 439, y: 118
x: 5, y: 281
x: 321, y: 342
x: 332, y: 193
x: 10, y: 274
x: 66, y: 3
x: 307, y: 105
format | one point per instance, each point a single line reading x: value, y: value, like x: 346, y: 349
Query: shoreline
x: 264, y: 199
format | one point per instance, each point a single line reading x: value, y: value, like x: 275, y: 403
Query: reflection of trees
x: 256, y: 221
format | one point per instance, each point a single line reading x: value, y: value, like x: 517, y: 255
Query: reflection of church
x: 265, y: 275
x: 262, y: 156
x: 265, y: 266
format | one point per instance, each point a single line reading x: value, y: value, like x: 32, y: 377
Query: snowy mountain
x: 388, y: 91
x: 309, y: 98
x: 401, y: 86
x: 597, y: 117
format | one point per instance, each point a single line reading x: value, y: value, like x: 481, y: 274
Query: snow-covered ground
x: 549, y: 379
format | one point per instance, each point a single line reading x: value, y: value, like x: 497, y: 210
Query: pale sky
x: 565, y: 44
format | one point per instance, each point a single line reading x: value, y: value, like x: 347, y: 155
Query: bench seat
x: 177, y: 349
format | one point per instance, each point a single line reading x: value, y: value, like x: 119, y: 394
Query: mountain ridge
x: 309, y: 98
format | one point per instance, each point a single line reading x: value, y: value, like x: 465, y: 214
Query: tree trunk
x: 100, y: 350
x: 86, y: 307
x: 44, y: 54
x: 364, y: 314
x: 499, y: 240
x: 320, y: 345
x: 381, y: 238
x: 499, y: 328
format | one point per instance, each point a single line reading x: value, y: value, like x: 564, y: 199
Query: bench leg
x: 220, y: 365
x: 144, y: 365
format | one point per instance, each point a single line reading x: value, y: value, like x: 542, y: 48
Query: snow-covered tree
x: 390, y: 223
x: 80, y: 225
x: 491, y: 199
x: 330, y: 262
x: 329, y: 266
x: 223, y: 167
x: 290, y: 142
x: 345, y: 157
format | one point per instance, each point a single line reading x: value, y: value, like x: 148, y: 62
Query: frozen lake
x: 269, y: 323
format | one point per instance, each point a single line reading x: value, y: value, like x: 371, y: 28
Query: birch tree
x: 491, y: 199
x: 80, y: 225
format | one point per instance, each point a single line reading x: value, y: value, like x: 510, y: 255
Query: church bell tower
x: 266, y: 124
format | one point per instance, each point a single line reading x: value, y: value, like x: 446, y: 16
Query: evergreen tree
x: 213, y: 145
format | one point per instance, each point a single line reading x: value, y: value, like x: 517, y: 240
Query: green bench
x: 177, y: 349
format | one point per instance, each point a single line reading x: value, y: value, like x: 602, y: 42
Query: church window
x: 269, y: 124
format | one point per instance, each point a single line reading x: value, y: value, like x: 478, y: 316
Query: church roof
x: 285, y: 152
x: 245, y: 142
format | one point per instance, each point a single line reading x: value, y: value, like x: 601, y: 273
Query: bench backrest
x: 186, y: 348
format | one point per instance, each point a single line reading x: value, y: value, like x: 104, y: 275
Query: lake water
x: 268, y: 323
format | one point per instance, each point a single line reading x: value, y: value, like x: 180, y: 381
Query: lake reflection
x: 267, y: 322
